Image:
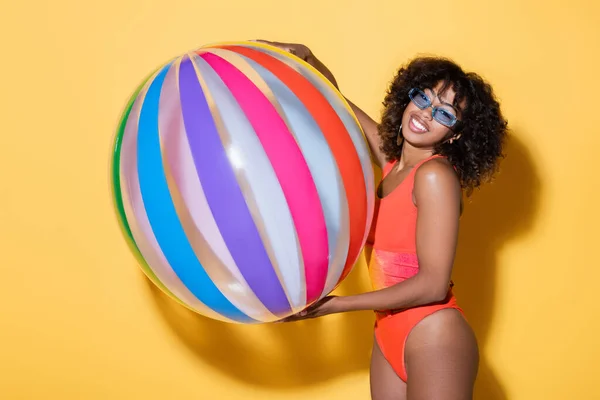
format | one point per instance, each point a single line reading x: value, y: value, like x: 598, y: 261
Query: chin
x: 418, y: 140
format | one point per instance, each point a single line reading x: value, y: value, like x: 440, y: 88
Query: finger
x: 269, y: 42
x: 283, y: 46
x: 291, y: 319
x: 300, y: 316
x: 286, y: 319
x: 294, y: 317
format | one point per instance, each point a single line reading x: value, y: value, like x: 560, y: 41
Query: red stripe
x: 290, y: 168
x: 337, y: 137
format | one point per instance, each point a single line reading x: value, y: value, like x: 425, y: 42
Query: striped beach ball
x: 243, y: 182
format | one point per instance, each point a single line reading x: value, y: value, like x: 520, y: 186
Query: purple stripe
x: 224, y: 195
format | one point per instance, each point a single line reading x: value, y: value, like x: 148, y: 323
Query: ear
x: 453, y: 138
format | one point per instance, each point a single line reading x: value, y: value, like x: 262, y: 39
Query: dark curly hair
x: 476, y: 153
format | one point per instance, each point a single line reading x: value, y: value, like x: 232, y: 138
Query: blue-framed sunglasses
x: 442, y: 115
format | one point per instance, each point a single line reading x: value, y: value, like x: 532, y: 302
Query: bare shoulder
x: 435, y: 178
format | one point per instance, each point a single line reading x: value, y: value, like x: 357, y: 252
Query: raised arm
x: 368, y: 125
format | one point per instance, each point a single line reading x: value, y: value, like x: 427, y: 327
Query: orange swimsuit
x: 393, y: 260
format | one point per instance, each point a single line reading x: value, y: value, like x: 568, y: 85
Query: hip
x: 415, y: 314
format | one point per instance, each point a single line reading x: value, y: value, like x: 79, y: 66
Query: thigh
x: 385, y: 383
x: 442, y: 358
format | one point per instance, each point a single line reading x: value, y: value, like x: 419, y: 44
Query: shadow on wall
x: 499, y: 212
x: 283, y: 355
x: 308, y: 352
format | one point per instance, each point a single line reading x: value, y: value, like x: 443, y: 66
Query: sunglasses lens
x: 442, y: 114
x: 420, y: 99
x: 444, y: 117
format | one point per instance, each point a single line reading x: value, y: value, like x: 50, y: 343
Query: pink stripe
x: 290, y: 168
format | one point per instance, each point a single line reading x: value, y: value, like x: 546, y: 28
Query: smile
x: 417, y: 126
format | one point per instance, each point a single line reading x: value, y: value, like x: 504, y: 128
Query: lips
x: 417, y: 125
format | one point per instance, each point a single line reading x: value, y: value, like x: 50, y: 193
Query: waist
x: 387, y: 268
x: 449, y: 302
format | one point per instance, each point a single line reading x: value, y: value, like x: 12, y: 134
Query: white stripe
x: 138, y: 220
x: 176, y: 150
x: 324, y: 170
x: 355, y: 132
x: 246, y: 151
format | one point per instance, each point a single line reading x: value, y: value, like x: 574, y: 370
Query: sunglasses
x: 442, y: 114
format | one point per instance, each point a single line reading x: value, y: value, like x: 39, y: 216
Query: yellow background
x: 80, y: 321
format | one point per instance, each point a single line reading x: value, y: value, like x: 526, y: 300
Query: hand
x: 325, y: 306
x: 303, y: 52
x: 299, y: 50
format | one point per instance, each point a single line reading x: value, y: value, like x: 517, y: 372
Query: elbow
x: 438, y: 294
x: 434, y: 292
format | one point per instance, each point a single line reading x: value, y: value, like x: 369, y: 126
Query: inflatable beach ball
x: 243, y: 182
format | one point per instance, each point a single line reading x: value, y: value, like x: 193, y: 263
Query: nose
x: 427, y: 113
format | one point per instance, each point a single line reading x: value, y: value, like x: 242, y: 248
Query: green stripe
x: 118, y: 198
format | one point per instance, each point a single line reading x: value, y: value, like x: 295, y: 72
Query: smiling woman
x: 465, y: 123
x: 442, y: 132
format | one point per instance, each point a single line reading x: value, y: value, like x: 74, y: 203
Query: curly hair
x: 476, y: 153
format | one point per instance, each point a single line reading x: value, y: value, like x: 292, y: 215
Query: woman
x: 441, y: 133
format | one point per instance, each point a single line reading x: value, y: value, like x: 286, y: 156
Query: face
x: 419, y: 127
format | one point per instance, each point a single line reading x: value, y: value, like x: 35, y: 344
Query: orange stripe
x: 337, y: 137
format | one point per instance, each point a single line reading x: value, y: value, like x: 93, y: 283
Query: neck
x: 412, y: 155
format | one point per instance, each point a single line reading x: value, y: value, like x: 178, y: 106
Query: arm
x: 437, y: 195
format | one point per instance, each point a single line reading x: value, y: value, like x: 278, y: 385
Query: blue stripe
x: 162, y: 214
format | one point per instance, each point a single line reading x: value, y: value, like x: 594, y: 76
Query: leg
x: 385, y: 383
x: 442, y: 358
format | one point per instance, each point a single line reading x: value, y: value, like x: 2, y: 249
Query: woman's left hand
x: 325, y: 306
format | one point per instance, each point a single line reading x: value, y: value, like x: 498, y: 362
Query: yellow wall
x: 78, y: 319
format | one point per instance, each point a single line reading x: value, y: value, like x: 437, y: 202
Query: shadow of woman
x: 283, y: 355
x: 286, y: 356
x: 499, y: 212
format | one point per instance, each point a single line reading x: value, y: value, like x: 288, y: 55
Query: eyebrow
x: 443, y: 102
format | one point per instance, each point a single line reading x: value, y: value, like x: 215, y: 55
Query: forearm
x: 416, y: 291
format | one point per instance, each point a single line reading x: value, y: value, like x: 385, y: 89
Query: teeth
x: 418, y: 125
